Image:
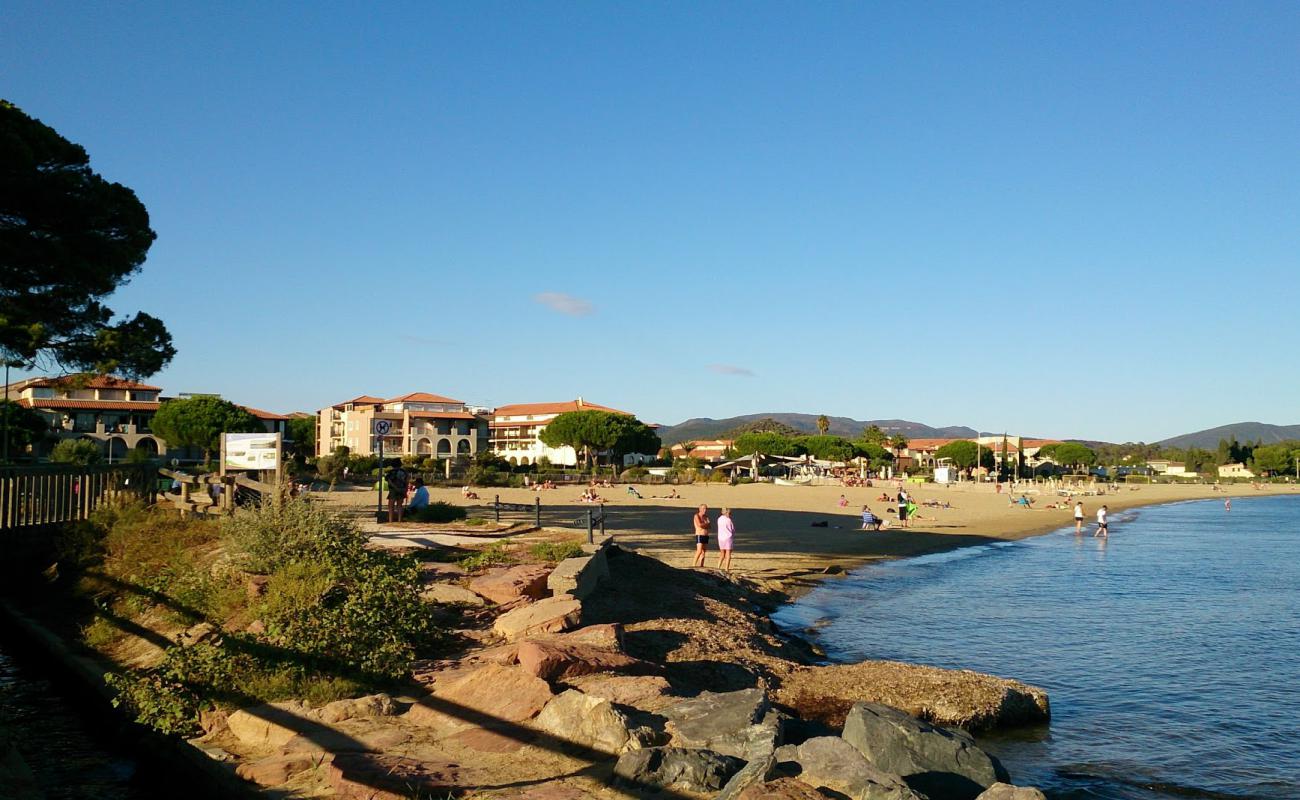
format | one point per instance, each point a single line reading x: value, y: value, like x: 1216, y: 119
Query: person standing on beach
x: 902, y: 500
x: 1101, y: 523
x: 726, y: 537
x: 701, y: 523
x: 1078, y: 516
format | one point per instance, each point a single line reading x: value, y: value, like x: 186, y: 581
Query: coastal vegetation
x: 285, y: 600
x: 81, y: 452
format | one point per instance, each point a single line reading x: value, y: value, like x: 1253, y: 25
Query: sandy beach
x: 775, y: 533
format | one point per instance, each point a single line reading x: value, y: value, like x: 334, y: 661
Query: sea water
x: 1170, y: 650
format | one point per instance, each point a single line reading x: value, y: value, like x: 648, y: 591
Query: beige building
x: 1237, y: 470
x: 115, y: 412
x: 419, y: 424
x: 516, y: 428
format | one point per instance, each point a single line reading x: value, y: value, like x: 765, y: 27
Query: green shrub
x: 477, y: 521
x: 495, y: 554
x: 76, y: 451
x: 339, y: 617
x: 553, y: 552
x: 634, y: 473
x: 438, y: 512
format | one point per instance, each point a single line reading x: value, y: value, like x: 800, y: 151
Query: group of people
x: 702, y: 525
x: 404, y: 494
x: 1103, y: 529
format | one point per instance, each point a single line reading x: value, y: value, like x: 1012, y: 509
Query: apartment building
x: 113, y: 411
x: 419, y: 424
x: 516, y: 429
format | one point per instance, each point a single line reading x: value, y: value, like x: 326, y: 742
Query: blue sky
x: 1061, y: 219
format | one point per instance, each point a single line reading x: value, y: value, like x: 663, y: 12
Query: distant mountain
x: 706, y: 428
x: 1244, y: 431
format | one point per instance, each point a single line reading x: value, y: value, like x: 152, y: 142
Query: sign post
x: 382, y: 427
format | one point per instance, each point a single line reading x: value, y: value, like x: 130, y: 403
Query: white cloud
x: 731, y: 369
x: 565, y: 303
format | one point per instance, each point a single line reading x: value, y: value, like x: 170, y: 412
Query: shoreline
x: 780, y: 544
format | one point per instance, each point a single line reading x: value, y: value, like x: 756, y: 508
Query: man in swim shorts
x: 701, y: 523
x: 1101, y: 523
x: 1078, y: 516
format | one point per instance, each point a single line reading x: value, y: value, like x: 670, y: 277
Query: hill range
x: 1243, y: 431
x: 707, y: 428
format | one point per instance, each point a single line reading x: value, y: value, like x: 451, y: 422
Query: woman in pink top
x: 726, y: 534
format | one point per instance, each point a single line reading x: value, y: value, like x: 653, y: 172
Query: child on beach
x: 1078, y: 517
x: 1101, y: 523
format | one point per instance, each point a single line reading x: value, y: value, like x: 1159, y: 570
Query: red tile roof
x: 93, y: 382
x: 61, y: 404
x: 927, y: 444
x: 1039, y: 442
x: 541, y: 409
x: 423, y: 397
x: 363, y: 400
x: 260, y: 414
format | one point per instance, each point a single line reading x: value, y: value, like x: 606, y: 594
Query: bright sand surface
x: 774, y: 524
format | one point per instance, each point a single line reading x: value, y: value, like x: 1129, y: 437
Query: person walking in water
x: 1101, y: 523
x: 1078, y: 516
x: 702, y: 523
x: 726, y: 536
x: 1227, y: 504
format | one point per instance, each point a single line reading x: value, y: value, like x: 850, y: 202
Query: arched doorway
x: 117, y: 449
x: 423, y: 447
x: 462, y: 447
x: 147, y: 446
x: 444, y: 448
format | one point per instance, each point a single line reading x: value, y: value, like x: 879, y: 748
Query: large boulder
x: 831, y: 763
x: 275, y: 770
x: 726, y: 722
x: 489, y: 695
x: 644, y: 692
x: 450, y: 594
x: 606, y: 635
x: 555, y: 660
x: 586, y: 721
x: 1005, y: 791
x: 657, y: 768
x: 370, y: 776
x: 552, y: 615
x: 507, y: 585
x: 935, y: 761
x: 270, y: 725
x: 371, y: 705
x: 960, y: 698
x: 779, y: 789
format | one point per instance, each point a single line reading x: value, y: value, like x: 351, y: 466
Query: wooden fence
x: 48, y: 494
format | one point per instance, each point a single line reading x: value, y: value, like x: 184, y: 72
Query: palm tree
x: 823, y: 424
x: 898, y: 443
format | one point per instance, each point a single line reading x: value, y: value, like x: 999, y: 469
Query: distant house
x: 274, y: 423
x: 516, y: 431
x: 114, y: 412
x: 710, y: 451
x: 419, y: 424
x: 1237, y: 470
x: 1165, y: 467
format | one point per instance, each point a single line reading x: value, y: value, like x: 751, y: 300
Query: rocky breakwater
x: 639, y: 680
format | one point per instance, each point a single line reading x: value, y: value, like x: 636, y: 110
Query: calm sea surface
x: 1171, y: 651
